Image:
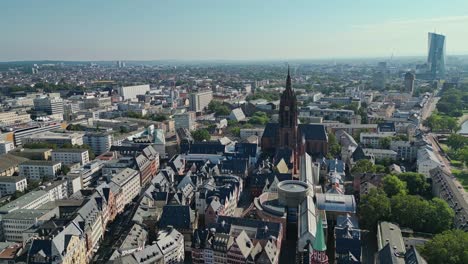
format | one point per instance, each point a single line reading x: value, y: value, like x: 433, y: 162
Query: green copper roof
x: 319, y: 242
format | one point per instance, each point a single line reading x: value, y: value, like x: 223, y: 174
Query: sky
x: 227, y: 29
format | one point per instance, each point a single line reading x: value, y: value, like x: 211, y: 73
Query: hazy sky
x: 226, y: 29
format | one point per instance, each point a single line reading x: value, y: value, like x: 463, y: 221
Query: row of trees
x: 45, y: 145
x: 458, y: 147
x: 154, y: 117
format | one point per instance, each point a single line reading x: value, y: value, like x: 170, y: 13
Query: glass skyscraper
x: 436, y: 55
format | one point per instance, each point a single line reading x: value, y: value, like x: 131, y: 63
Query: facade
x: 70, y: 156
x: 426, y: 161
x: 9, y: 164
x: 39, y: 169
x: 14, y: 223
x: 12, y: 184
x: 405, y: 150
x: 55, y: 138
x: 447, y: 188
x: 436, y: 55
x: 99, y: 142
x: 131, y: 92
x: 199, y: 101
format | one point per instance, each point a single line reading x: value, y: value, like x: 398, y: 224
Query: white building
x: 9, y: 185
x: 15, y: 223
x: 99, y: 142
x: 6, y: 146
x: 39, y: 169
x: 127, y: 182
x: 70, y: 156
x: 131, y: 92
x: 185, y: 120
x: 199, y: 101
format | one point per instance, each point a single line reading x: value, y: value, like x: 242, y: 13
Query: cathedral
x: 288, y: 139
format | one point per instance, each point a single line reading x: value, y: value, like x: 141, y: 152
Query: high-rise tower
x: 436, y: 55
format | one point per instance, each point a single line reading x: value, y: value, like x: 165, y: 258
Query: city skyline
x: 208, y: 30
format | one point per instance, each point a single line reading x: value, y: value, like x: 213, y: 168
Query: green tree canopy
x: 218, y: 108
x: 363, y: 166
x: 457, y: 141
x: 259, y: 118
x: 421, y: 215
x: 201, y: 135
x: 392, y: 185
x: 449, y: 247
x: 415, y: 182
x: 374, y: 207
x: 385, y: 142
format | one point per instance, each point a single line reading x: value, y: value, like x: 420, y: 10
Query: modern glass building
x: 436, y: 55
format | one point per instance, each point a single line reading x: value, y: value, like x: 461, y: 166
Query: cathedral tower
x: 288, y: 122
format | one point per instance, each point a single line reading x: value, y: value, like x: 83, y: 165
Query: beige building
x: 127, y: 185
x: 12, y: 118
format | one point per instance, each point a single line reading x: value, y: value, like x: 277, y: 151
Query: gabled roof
x: 313, y: 132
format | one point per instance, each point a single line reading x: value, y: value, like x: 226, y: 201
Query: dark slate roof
x: 313, y: 131
x: 210, y: 147
x: 265, y: 230
x: 41, y: 245
x: 359, y: 154
x: 178, y: 216
x: 235, y: 165
x: 246, y: 149
x: 271, y: 130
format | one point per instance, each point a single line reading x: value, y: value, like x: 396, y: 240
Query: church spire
x: 288, y: 81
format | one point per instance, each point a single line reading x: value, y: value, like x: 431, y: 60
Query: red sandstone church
x: 288, y: 139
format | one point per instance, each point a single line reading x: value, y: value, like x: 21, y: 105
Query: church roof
x: 313, y: 131
x: 319, y: 242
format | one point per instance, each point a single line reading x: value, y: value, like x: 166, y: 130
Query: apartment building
x: 131, y: 92
x: 39, y: 169
x: 12, y: 118
x: 9, y: 185
x: 70, y: 156
x: 199, y: 101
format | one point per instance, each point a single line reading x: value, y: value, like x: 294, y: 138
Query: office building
x: 409, y: 82
x: 70, y: 156
x: 199, y: 101
x: 99, y: 142
x: 131, y: 92
x: 50, y: 105
x: 436, y: 55
x: 37, y: 128
x: 39, y: 169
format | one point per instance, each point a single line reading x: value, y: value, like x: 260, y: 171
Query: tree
x: 385, y: 142
x: 363, y: 166
x: 392, y: 185
x: 40, y: 145
x: 201, y: 135
x: 333, y: 146
x: 415, y: 182
x: 421, y: 215
x: 218, y: 108
x: 259, y: 118
x: 457, y: 141
x: 449, y: 247
x: 374, y: 207
x: 65, y: 169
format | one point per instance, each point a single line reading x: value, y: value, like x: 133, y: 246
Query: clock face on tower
x: 286, y: 108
